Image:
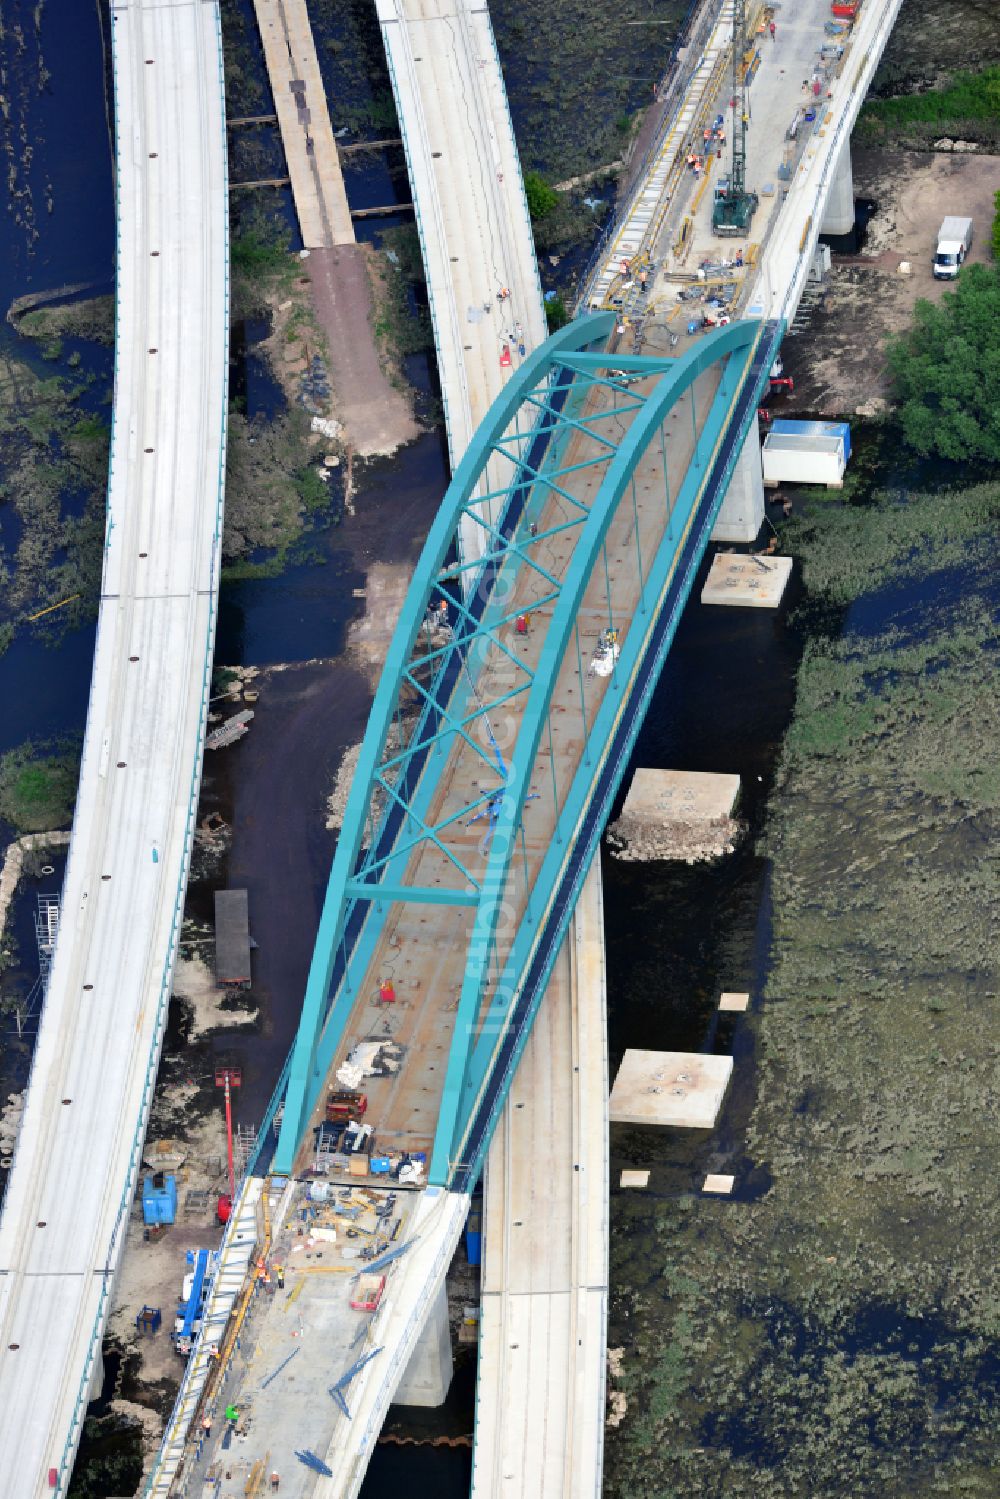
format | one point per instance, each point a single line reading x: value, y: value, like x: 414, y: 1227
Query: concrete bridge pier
x: 742, y: 513
x: 96, y: 1377
x: 427, y: 1377
x: 839, y: 215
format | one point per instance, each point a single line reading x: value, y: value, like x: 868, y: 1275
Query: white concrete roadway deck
x: 71, y: 1187
x: 475, y: 233
x: 540, y: 1405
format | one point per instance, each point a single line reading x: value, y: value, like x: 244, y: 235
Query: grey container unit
x: 232, y: 938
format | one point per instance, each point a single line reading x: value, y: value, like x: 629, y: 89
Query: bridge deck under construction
x: 422, y: 951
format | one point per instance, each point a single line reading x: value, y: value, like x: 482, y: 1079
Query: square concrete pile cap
x: 746, y: 582
x: 678, y: 1088
x: 635, y: 1178
x: 656, y: 797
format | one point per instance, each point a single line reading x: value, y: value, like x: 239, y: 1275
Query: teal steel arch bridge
x: 539, y: 616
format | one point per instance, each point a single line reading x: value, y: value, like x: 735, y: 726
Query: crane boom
x: 734, y: 207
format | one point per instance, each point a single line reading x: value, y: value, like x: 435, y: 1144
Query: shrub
x: 556, y: 314
x: 542, y: 199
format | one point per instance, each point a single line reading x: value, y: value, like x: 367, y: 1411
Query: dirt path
x: 377, y: 417
x: 836, y: 354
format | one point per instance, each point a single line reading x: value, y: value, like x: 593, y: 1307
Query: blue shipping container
x: 473, y: 1237
x: 159, y: 1204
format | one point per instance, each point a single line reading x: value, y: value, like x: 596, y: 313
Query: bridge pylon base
x: 839, y: 215
x: 742, y: 513
x: 427, y: 1377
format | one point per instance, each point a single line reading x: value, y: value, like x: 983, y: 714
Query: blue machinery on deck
x: 523, y: 439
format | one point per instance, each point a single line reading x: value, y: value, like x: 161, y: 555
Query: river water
x: 676, y: 936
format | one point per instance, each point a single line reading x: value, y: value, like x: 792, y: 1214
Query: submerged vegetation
x: 53, y: 473
x: 834, y: 1328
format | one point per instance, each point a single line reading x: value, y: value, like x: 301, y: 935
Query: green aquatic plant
x: 838, y: 1333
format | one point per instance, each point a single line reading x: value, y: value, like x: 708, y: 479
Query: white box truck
x: 954, y: 242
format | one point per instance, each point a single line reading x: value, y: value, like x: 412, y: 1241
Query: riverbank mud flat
x: 836, y: 348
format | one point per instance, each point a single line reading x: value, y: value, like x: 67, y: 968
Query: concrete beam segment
x: 304, y: 120
x: 838, y: 216
x: 71, y: 1189
x: 427, y: 1377
x: 742, y: 513
x: 414, y: 1286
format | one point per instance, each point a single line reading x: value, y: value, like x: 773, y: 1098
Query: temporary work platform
x: 232, y: 938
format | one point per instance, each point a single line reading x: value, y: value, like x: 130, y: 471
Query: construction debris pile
x: 10, y: 1124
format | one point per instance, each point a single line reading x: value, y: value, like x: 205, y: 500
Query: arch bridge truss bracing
x: 474, y: 783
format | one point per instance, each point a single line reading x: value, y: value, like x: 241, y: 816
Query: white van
x: 954, y: 243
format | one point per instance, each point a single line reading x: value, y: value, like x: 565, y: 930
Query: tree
x: 542, y: 199
x: 556, y: 313
x: 946, y: 371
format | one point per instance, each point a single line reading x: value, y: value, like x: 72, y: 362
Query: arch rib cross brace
x: 321, y: 1022
x: 735, y: 339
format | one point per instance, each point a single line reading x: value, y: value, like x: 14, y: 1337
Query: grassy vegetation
x: 968, y: 106
x: 577, y: 72
x: 38, y: 787
x: 402, y: 323
x: 271, y: 484
x: 92, y: 319
x: 542, y: 199
x: 556, y: 313
x: 931, y: 42
x: 835, y: 1329
x: 260, y: 263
